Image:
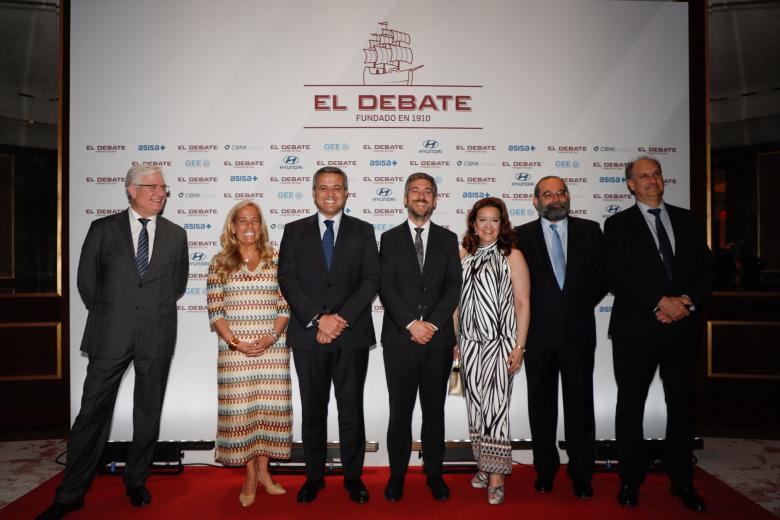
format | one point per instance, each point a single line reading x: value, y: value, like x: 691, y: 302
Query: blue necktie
x: 664, y: 244
x: 558, y: 260
x: 328, y: 243
x: 142, y: 253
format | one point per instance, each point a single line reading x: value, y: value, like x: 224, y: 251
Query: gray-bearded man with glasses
x: 133, y: 268
x: 564, y: 256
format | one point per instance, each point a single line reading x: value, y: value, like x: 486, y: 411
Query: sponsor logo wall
x: 255, y: 116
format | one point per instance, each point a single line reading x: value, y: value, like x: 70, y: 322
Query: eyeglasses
x: 154, y: 187
x: 550, y: 194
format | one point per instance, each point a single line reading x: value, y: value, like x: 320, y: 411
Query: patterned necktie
x: 418, y: 246
x: 664, y: 244
x: 142, y: 253
x: 328, y: 243
x: 558, y: 260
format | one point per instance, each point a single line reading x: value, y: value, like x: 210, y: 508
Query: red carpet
x: 204, y: 492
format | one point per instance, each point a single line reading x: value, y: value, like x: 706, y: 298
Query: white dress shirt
x: 650, y: 219
x: 136, y: 227
x: 336, y: 223
x: 563, y: 232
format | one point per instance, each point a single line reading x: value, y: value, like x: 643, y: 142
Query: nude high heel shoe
x: 246, y: 500
x: 274, y: 488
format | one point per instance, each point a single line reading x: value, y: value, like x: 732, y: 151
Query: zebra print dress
x: 487, y: 336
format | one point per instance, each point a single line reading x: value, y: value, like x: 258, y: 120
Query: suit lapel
x: 126, y: 236
x: 158, y: 247
x: 542, y: 245
x: 313, y: 238
x: 646, y: 237
x: 433, y: 243
x: 345, y: 228
x: 573, y: 250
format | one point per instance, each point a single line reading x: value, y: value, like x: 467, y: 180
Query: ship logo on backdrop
x: 388, y: 58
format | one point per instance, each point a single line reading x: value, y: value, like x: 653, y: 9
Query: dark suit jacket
x: 126, y: 311
x: 636, y: 273
x: 564, y: 318
x: 347, y: 289
x: 408, y: 294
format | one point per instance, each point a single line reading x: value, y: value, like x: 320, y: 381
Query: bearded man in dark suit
x: 420, y: 287
x: 564, y: 256
x: 133, y: 267
x: 660, y: 270
x: 329, y: 274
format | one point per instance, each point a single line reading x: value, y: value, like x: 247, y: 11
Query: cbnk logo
x: 522, y: 176
x: 612, y: 209
x: 430, y: 144
x: 290, y: 159
x: 197, y: 257
x: 384, y: 192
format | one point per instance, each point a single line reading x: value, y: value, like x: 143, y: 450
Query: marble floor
x: 751, y: 467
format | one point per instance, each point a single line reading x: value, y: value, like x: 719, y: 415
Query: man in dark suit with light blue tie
x: 133, y: 267
x: 660, y: 270
x: 329, y: 274
x: 420, y: 287
x: 564, y: 256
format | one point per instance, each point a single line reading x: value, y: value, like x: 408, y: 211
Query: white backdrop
x: 246, y: 99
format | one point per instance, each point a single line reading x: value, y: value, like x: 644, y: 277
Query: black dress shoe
x: 357, y: 490
x: 543, y: 485
x: 628, y: 495
x: 439, y: 488
x: 395, y: 489
x: 309, y: 490
x: 60, y: 509
x: 582, y: 489
x: 139, y: 496
x: 690, y: 499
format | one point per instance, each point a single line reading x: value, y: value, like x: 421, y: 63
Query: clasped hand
x: 331, y: 326
x: 257, y: 347
x: 422, y: 332
x: 673, y: 308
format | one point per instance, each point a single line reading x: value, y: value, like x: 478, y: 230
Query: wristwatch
x: 315, y: 321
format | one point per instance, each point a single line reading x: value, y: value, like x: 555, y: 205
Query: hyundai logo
x: 383, y: 192
x: 197, y: 257
x: 290, y: 159
x: 522, y: 176
x: 430, y: 144
x: 613, y: 208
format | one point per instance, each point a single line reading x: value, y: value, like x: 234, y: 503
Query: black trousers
x: 408, y: 369
x: 93, y: 424
x: 635, y: 359
x: 346, y: 369
x: 575, y: 367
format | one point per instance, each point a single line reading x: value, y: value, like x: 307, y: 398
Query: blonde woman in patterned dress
x: 249, y: 314
x: 494, y: 312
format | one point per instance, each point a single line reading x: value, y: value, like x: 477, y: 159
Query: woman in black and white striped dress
x: 493, y: 317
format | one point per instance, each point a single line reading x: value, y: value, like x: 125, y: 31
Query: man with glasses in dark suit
x: 133, y: 267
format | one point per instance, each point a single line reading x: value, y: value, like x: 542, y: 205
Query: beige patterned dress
x: 254, y: 393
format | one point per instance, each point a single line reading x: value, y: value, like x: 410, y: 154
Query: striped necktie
x: 142, y: 254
